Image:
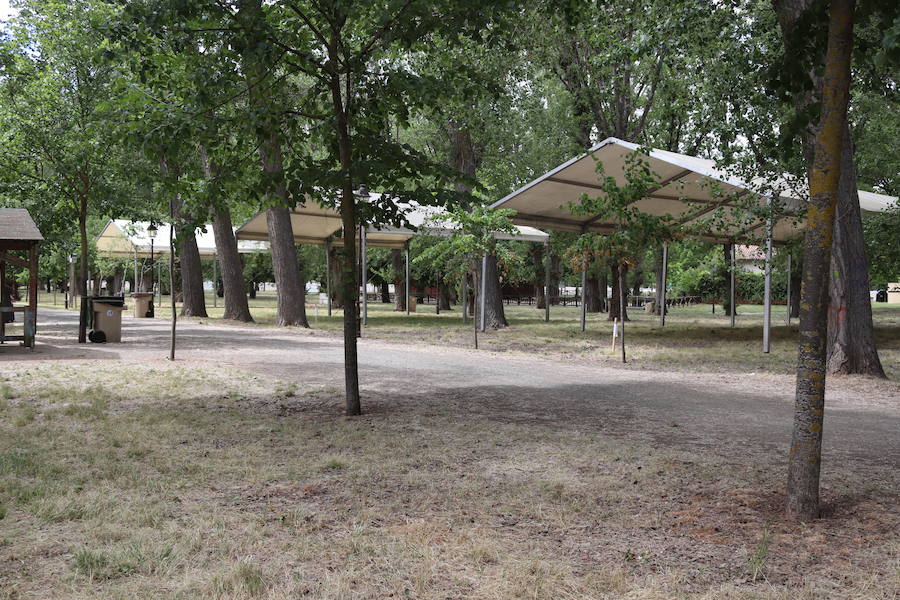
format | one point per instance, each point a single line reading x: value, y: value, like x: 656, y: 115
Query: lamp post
x: 151, y: 233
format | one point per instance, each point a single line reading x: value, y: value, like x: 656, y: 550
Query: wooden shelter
x: 18, y: 233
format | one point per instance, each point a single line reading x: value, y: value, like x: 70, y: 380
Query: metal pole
x: 407, y: 279
x: 437, y: 297
x: 483, y: 289
x: 787, y: 316
x: 134, y: 288
x: 365, y: 277
x: 662, y: 292
x: 547, y: 282
x: 733, y: 307
x: 328, y: 272
x: 215, y: 281
x: 159, y: 282
x: 767, y: 290
x: 583, y: 295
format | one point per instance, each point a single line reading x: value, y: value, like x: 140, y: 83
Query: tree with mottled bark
x: 824, y: 181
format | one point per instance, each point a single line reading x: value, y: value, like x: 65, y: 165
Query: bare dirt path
x: 726, y: 414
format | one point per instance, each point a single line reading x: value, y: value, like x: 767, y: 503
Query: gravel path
x: 730, y: 414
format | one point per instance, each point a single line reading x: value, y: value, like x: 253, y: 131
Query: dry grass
x: 125, y: 481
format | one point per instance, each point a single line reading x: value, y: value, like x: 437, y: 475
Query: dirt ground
x: 499, y: 474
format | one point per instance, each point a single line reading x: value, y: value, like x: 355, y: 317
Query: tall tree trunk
x: 592, y: 294
x: 494, y: 315
x: 796, y: 280
x: 443, y: 298
x: 385, y: 292
x: 851, y: 334
x: 555, y: 276
x: 194, y: 303
x: 291, y: 295
x: 614, y: 312
x: 824, y: 181
x: 398, y: 267
x: 230, y: 267
x: 291, y: 303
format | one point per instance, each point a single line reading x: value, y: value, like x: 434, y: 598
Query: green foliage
x: 882, y: 232
x: 472, y: 235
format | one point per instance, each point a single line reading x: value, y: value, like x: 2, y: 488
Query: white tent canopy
x: 689, y: 188
x: 126, y: 239
x: 313, y: 224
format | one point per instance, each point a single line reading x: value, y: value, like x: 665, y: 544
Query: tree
x: 824, y: 181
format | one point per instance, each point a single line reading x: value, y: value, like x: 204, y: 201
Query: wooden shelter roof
x: 16, y: 225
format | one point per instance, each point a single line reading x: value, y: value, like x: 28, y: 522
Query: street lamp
x: 151, y: 233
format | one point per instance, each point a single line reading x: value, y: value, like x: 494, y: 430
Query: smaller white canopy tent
x: 121, y: 238
x: 313, y: 224
x: 126, y: 239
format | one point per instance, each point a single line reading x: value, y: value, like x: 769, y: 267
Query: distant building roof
x: 16, y: 225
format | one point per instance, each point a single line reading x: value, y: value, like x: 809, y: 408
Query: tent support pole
x: 365, y: 277
x: 483, y: 289
x: 407, y: 278
x: 731, y: 292
x: 328, y: 272
x: 661, y: 295
x: 767, y: 290
x: 547, y: 282
x: 584, y: 264
x: 787, y: 314
x: 159, y: 283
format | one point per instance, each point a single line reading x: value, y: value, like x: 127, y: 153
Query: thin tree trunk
x: 555, y: 276
x: 385, y: 292
x: 805, y: 459
x: 851, y: 333
x: 398, y: 266
x: 796, y: 280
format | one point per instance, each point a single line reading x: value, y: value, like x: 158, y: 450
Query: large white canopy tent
x: 314, y: 224
x: 690, y: 189
x: 121, y: 238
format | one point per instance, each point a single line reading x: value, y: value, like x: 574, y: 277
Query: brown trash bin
x: 411, y: 303
x: 142, y: 302
x: 108, y: 319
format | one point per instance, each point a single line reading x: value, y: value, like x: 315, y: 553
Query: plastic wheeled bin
x: 106, y: 316
x: 143, y: 304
